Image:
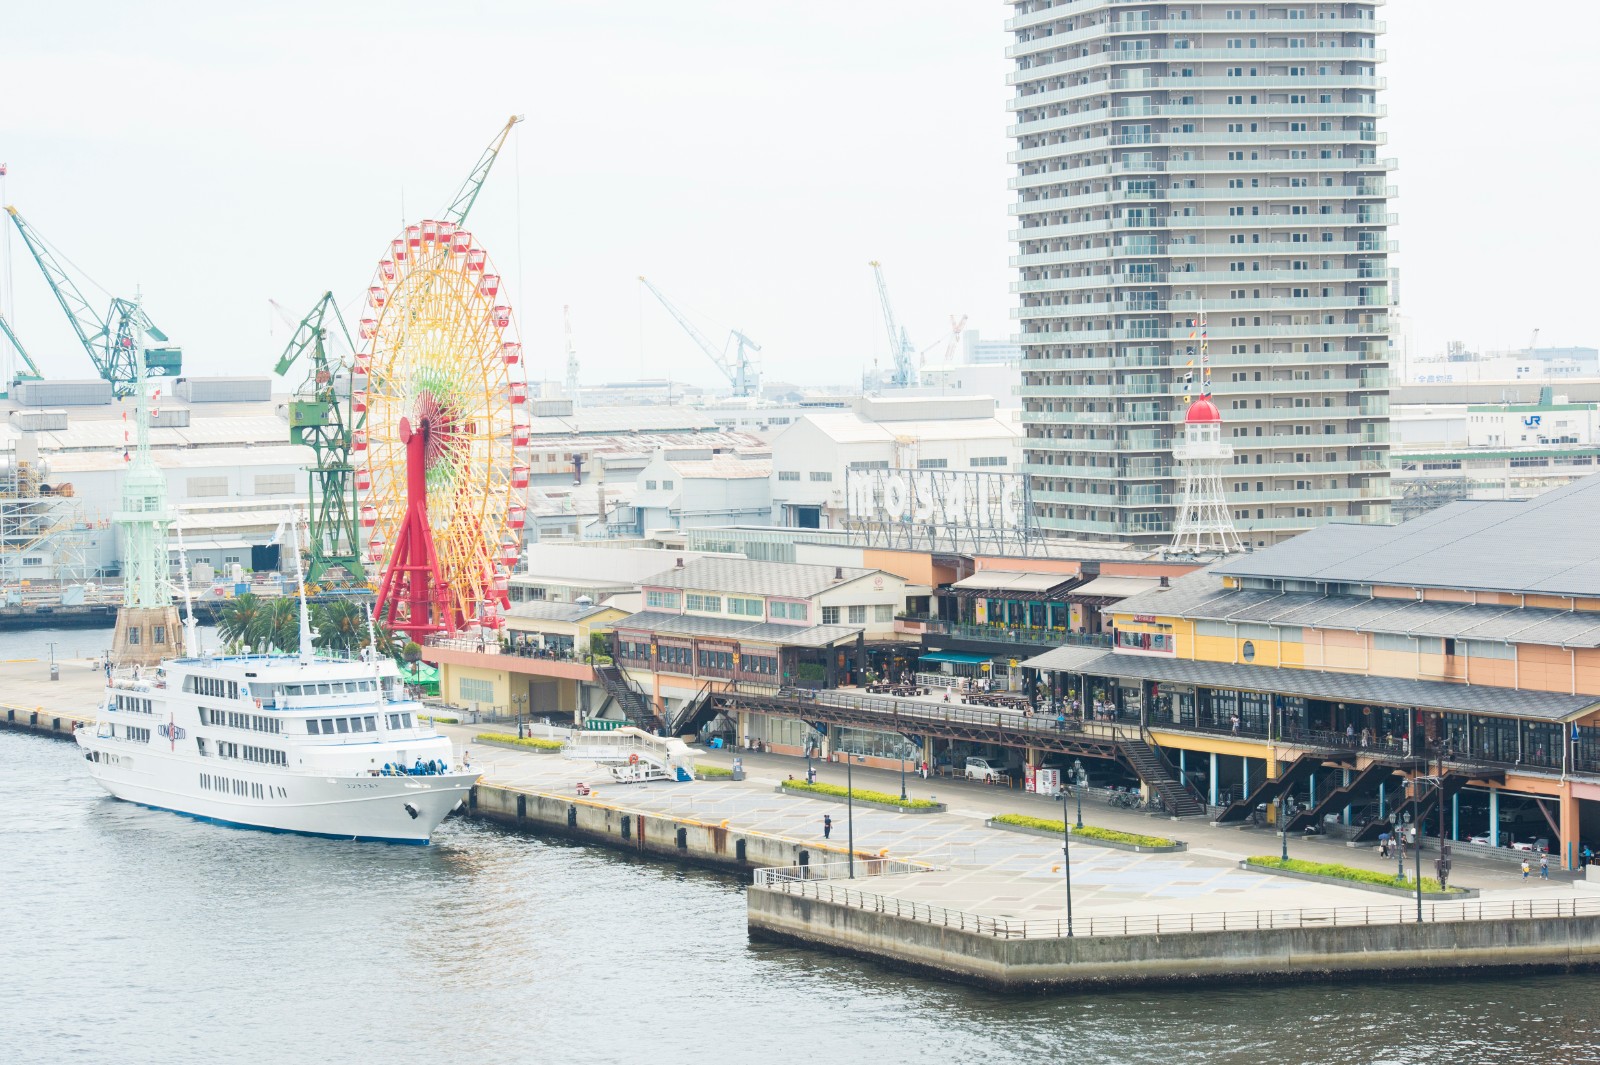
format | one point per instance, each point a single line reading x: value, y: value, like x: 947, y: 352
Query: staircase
x: 1362, y: 786
x: 693, y: 714
x: 1297, y: 772
x: 1451, y: 784
x: 1154, y: 772
x: 635, y: 707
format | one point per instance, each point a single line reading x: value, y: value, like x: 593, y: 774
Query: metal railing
x: 839, y: 871
x: 1182, y: 923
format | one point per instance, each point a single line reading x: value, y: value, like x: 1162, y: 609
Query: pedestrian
x: 1234, y: 721
x: 1544, y: 867
x: 827, y: 832
x: 1524, y: 868
x: 1588, y: 856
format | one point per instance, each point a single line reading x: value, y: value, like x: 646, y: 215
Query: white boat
x: 282, y: 742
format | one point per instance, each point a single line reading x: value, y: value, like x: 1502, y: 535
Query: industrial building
x: 1201, y: 206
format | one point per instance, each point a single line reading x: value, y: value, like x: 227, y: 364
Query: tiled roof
x: 742, y: 576
x: 734, y: 629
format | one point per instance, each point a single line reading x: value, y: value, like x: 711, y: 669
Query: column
x: 1244, y: 788
x: 1383, y: 790
x: 1568, y: 820
x: 1346, y: 817
x: 1494, y: 817
x: 1213, y: 778
x: 1455, y: 816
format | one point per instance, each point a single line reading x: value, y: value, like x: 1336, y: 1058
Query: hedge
x: 444, y: 720
x: 532, y: 741
x: 713, y: 772
x: 1110, y: 835
x: 1346, y: 872
x: 841, y: 792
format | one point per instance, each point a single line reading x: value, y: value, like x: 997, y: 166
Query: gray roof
x: 742, y: 576
x: 1199, y: 597
x: 1346, y: 687
x: 1545, y: 544
x: 733, y: 629
x: 1065, y: 659
x: 554, y: 611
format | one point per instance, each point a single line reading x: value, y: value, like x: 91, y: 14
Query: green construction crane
x: 467, y: 194
x: 321, y: 418
x: 32, y: 372
x: 110, y: 339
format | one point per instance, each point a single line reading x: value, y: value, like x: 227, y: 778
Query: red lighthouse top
x: 1202, y: 411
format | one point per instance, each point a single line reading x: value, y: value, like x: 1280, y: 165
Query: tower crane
x: 905, y: 365
x: 323, y: 418
x: 739, y: 369
x: 32, y: 372
x: 461, y: 203
x: 572, y: 356
x: 111, y: 338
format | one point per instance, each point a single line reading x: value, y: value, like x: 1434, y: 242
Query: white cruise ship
x: 283, y: 742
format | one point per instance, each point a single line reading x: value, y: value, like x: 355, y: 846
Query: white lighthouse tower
x: 1204, y: 524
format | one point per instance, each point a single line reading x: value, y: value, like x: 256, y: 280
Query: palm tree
x: 276, y: 627
x: 240, y: 616
x: 341, y: 626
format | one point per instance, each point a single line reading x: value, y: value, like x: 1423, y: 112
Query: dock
x: 32, y: 702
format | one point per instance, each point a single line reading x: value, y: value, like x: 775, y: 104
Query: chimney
x: 1166, y: 582
x: 679, y: 563
x: 838, y: 573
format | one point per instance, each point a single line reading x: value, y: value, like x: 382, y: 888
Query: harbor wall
x: 611, y: 824
x: 1241, y: 957
x: 43, y: 721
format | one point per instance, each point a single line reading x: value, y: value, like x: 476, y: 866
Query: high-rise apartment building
x: 1180, y: 160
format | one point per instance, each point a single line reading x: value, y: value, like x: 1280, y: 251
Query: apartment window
x: 792, y: 611
x: 788, y: 475
x: 858, y: 615
x: 710, y: 604
x: 662, y: 600
x: 883, y: 613
x: 830, y: 615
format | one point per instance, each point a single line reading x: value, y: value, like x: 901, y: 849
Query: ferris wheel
x: 439, y: 395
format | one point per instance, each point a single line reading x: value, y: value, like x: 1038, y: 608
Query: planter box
x: 1382, y: 889
x: 1177, y: 845
x: 936, y: 808
x: 512, y: 745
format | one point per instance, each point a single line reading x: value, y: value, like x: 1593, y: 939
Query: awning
x: 956, y: 658
x: 990, y: 580
x: 1114, y: 587
x: 1064, y: 659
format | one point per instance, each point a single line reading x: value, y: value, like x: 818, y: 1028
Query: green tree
x: 412, y: 654
x: 240, y: 618
x: 341, y: 626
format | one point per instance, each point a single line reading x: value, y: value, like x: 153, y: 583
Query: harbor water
x: 131, y: 935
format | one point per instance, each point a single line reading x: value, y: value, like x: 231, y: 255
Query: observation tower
x: 1204, y: 524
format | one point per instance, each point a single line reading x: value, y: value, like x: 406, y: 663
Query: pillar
x: 1313, y: 788
x: 1568, y: 820
x: 1213, y: 778
x: 1346, y: 817
x: 1494, y: 817
x: 1455, y: 816
x: 1244, y: 764
x: 1383, y: 793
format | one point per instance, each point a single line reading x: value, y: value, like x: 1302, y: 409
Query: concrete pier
x: 31, y: 702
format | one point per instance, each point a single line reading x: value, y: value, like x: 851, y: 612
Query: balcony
x: 1101, y: 87
x: 1004, y: 634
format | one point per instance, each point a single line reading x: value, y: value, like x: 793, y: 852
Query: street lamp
x: 850, y: 812
x: 1283, y: 822
x: 1080, y: 778
x: 902, y: 751
x: 1416, y: 801
x: 519, y: 701
x: 1066, y: 851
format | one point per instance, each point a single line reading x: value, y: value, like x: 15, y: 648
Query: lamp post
x: 850, y: 812
x: 519, y: 701
x: 1066, y: 853
x: 1416, y: 801
x: 902, y: 751
x: 1079, y: 778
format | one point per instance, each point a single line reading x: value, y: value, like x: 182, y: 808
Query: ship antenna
x: 292, y: 522
x: 191, y: 633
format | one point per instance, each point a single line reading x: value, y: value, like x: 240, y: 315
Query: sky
x: 749, y: 158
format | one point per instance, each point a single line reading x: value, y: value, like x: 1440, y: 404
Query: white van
x: 981, y: 769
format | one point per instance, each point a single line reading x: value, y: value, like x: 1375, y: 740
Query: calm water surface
x: 130, y: 935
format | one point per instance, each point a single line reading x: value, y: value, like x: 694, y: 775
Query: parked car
x: 1481, y: 840
x: 1536, y: 846
x: 982, y: 769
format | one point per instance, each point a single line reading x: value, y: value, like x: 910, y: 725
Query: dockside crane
x: 109, y: 338
x: 323, y: 418
x: 905, y: 363
x: 739, y: 368
x: 32, y: 371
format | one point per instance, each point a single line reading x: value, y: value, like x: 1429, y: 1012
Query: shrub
x: 1346, y: 872
x: 445, y: 720
x: 865, y: 796
x: 531, y: 741
x: 1109, y: 835
x: 812, y: 671
x: 712, y: 772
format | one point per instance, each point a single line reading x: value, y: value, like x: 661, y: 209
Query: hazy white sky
x: 750, y: 158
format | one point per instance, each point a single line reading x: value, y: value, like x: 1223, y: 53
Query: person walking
x: 1544, y: 867
x: 827, y: 831
x: 1524, y: 868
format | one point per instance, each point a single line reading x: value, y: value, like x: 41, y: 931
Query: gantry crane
x: 109, y: 338
x: 32, y: 371
x: 905, y: 364
x: 739, y: 369
x: 323, y: 418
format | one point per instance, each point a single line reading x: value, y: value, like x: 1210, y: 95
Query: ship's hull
x: 392, y: 809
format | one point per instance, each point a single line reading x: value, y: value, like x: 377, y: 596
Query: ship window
x: 372, y: 723
x: 327, y: 726
x: 311, y: 727
x: 344, y: 724
x: 355, y: 724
